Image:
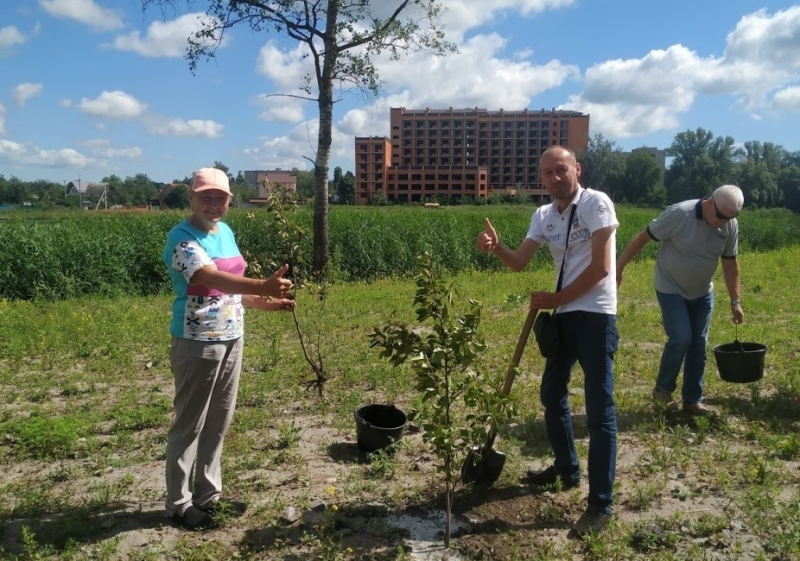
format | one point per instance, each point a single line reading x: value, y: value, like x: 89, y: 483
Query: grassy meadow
x: 85, y: 405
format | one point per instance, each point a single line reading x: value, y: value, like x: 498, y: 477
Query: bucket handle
x: 736, y: 339
x: 361, y: 419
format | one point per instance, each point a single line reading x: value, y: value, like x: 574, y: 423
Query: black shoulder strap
x: 566, y: 245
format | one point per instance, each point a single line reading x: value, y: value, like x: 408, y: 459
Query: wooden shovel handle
x: 521, y: 342
x: 511, y: 372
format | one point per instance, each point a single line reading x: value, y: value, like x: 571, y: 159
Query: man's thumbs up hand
x: 487, y: 240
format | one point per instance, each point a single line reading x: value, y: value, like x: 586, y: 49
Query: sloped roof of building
x: 82, y: 187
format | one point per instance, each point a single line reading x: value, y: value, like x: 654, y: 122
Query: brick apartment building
x: 467, y: 153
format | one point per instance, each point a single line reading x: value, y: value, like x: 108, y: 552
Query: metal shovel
x: 487, y: 468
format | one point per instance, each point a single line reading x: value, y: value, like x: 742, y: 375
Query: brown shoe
x: 591, y: 522
x: 698, y: 409
x: 664, y: 399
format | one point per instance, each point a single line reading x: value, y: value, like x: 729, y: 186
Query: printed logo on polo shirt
x: 549, y: 227
x: 601, y: 209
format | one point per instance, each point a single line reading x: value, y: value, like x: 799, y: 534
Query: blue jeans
x: 686, y: 323
x: 590, y: 339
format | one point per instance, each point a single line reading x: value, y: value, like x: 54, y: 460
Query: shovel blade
x: 485, y: 469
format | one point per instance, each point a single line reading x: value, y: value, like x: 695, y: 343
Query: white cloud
x: 113, y: 105
x: 787, y: 99
x: 293, y: 149
x: 766, y: 39
x: 285, y: 68
x: 11, y: 36
x: 65, y: 103
x: 463, y: 15
x: 86, y: 12
x: 23, y: 92
x: 280, y: 109
x: 165, y: 39
x: 2, y: 119
x: 103, y: 148
x: 477, y: 76
x: 169, y: 126
x: 641, y: 96
x: 29, y: 154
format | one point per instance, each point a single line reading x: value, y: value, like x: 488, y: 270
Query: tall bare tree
x: 341, y: 37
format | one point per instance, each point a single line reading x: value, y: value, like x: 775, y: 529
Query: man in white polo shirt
x: 586, y: 320
x: 694, y: 235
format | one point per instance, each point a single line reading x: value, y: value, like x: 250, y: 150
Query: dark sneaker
x: 225, y: 508
x: 193, y: 519
x: 549, y: 478
x: 591, y: 521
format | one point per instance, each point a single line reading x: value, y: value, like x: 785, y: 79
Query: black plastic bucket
x: 377, y: 426
x: 740, y: 362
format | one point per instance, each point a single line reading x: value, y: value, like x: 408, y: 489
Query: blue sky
x: 90, y: 88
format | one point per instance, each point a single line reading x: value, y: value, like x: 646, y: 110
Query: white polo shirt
x: 549, y: 226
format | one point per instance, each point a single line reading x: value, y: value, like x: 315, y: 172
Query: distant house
x: 78, y: 187
x: 266, y: 180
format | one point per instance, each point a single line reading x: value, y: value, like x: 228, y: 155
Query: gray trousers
x: 206, y: 382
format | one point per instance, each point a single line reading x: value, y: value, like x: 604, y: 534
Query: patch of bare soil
x: 324, y: 498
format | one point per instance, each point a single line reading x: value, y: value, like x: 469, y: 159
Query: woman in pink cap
x: 207, y: 327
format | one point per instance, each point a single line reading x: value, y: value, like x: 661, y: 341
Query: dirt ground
x: 327, y: 502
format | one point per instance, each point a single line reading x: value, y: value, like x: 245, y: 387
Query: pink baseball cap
x: 211, y: 178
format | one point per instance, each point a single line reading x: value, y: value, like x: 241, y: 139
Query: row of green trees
x: 139, y: 190
x: 768, y: 174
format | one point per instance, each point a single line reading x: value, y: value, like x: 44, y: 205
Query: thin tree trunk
x: 449, y: 508
x: 324, y: 140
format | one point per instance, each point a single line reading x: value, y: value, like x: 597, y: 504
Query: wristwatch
x: 736, y: 302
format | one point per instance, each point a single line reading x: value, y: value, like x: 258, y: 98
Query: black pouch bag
x: 546, y: 332
x: 545, y: 328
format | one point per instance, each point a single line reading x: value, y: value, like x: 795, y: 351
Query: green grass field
x: 85, y: 404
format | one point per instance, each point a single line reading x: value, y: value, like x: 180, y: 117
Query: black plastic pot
x: 377, y: 426
x: 740, y: 362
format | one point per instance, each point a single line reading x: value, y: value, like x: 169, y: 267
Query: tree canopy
x: 341, y: 39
